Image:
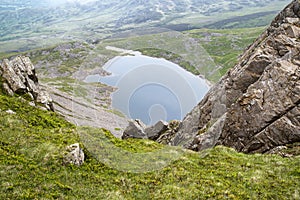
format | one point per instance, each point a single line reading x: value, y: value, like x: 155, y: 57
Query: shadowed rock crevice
x: 284, y: 130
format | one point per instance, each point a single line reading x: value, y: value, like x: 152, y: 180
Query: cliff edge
x: 255, y: 106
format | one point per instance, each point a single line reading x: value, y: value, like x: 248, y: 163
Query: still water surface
x: 151, y: 89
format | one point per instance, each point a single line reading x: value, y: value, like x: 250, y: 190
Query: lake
x: 151, y: 89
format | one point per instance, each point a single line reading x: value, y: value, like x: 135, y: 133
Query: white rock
x: 10, y: 112
x: 75, y: 155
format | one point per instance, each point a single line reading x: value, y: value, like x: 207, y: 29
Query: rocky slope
x: 86, y: 112
x: 18, y: 77
x: 255, y: 107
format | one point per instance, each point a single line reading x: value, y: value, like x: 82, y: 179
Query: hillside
x: 32, y: 144
x: 224, y: 46
x: 242, y: 141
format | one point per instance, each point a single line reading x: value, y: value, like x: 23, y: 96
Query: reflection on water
x: 157, y: 101
x: 151, y: 89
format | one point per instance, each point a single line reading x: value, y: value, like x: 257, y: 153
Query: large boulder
x: 19, y: 77
x: 255, y: 107
x: 153, y: 132
x: 135, y: 129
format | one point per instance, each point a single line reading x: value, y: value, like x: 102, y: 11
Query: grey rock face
x: 74, y: 156
x: 153, y: 132
x: 260, y: 96
x: 210, y: 138
x: 169, y: 134
x: 12, y: 75
x: 135, y: 129
x: 19, y: 77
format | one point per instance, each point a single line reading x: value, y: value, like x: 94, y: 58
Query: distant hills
x: 27, y: 24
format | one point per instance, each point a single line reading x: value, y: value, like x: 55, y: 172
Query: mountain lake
x: 151, y: 89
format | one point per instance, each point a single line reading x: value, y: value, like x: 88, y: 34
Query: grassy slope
x: 225, y: 45
x: 31, y: 150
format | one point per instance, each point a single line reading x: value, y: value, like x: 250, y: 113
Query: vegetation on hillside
x: 33, y: 141
x: 32, y: 144
x: 26, y: 24
x: 225, y: 45
x: 222, y: 46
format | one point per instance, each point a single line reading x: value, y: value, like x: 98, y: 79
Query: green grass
x: 4, y: 55
x: 32, y: 144
x: 225, y: 45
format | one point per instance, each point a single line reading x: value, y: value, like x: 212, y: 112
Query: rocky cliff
x: 255, y: 106
x: 18, y: 77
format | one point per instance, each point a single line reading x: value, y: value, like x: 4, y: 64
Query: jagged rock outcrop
x: 167, y: 136
x: 255, y: 107
x: 153, y: 132
x: 19, y: 77
x: 135, y: 129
